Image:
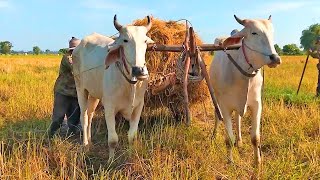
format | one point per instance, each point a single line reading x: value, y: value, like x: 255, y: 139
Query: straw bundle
x: 164, y: 65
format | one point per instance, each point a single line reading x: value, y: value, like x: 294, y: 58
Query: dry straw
x: 162, y: 63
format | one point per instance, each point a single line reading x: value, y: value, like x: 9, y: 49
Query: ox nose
x: 139, y: 71
x: 275, y: 58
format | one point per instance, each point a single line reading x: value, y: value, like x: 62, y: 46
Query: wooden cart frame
x: 193, y: 55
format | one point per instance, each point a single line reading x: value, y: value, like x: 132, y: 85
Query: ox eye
x: 145, y: 41
x: 254, y: 33
x: 125, y: 40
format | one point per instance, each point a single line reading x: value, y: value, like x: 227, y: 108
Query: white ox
x: 234, y: 90
x: 114, y: 72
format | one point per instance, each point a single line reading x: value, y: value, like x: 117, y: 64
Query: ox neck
x: 239, y: 68
x: 244, y: 61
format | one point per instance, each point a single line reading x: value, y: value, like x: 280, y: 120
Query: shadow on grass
x: 21, y: 134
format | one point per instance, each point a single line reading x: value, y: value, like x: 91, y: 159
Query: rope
x: 88, y: 70
x: 190, y: 77
x: 254, y: 49
x: 179, y: 20
x: 239, y: 68
x: 118, y: 64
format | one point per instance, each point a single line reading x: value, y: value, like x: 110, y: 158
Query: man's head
x: 234, y: 32
x: 73, y: 43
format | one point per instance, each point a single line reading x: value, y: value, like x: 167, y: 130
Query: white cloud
x: 4, y: 4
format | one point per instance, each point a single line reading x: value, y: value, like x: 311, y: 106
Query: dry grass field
x: 164, y: 149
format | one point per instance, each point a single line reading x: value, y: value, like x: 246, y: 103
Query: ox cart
x: 190, y: 56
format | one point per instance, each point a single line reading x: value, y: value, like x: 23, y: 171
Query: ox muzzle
x: 275, y: 60
x: 141, y: 73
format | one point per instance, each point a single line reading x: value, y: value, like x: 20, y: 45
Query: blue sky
x: 50, y: 23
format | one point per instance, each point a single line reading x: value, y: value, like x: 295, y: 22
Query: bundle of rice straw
x: 164, y: 65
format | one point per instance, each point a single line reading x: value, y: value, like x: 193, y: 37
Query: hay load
x: 164, y: 68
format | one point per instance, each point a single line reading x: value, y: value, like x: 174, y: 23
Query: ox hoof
x: 86, y: 147
x: 111, y: 155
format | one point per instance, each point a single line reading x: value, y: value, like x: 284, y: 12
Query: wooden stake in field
x: 304, y: 69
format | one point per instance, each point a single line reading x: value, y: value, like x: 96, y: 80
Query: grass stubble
x: 163, y: 149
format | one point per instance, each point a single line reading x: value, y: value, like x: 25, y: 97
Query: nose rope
x: 124, y: 60
x: 125, y: 63
x: 254, y: 49
x: 118, y: 65
x: 245, y: 55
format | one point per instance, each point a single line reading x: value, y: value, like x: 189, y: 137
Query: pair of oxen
x: 115, y: 73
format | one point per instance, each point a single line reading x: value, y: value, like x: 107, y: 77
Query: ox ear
x: 112, y: 56
x: 149, y: 41
x: 234, y: 39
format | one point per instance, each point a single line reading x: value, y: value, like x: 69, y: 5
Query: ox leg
x: 238, y: 129
x: 256, y: 109
x: 229, y: 139
x: 134, y: 122
x: 216, y: 125
x: 112, y: 134
x: 92, y: 104
x: 83, y: 100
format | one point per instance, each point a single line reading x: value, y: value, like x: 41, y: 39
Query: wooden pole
x: 185, y: 78
x: 179, y: 48
x: 210, y: 87
x: 304, y: 69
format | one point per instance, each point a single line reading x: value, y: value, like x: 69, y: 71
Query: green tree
x: 63, y: 51
x: 5, y: 47
x: 309, y: 36
x: 48, y: 51
x: 36, y: 50
x: 291, y: 49
x: 278, y: 49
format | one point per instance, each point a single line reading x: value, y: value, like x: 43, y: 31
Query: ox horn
x: 148, y: 26
x: 240, y: 21
x: 269, y: 18
x: 116, y: 24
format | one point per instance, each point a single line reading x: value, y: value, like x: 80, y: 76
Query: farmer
x: 65, y: 95
x: 315, y: 53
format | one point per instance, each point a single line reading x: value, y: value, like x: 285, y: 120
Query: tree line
x: 307, y: 41
x: 6, y: 48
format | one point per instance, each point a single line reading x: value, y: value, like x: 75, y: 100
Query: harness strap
x: 118, y: 64
x: 239, y: 68
x: 124, y: 60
